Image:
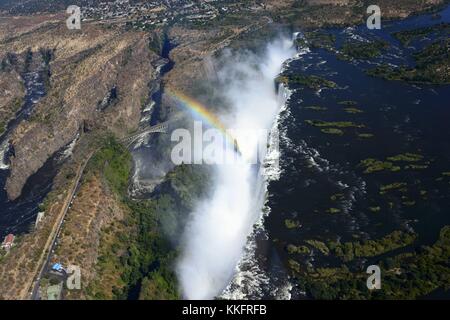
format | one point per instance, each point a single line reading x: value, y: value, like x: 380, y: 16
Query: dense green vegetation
x: 401, y: 186
x: 150, y: 255
x: 319, y: 245
x: 393, y: 163
x: 349, y: 250
x: 156, y: 285
x: 365, y: 135
x: 374, y: 165
x: 146, y: 264
x: 309, y: 81
x: 432, y: 66
x: 316, y: 108
x: 333, y: 210
x: 291, y: 249
x: 332, y: 264
x: 317, y: 39
x: 353, y: 110
x: 114, y: 162
x: 409, y: 157
x: 333, y: 127
x: 16, y: 104
x: 291, y: 224
x: 407, y: 36
x: 334, y: 131
x: 404, y: 276
x: 363, y: 50
x: 337, y: 124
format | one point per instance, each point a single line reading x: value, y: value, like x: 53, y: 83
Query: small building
x: 8, y: 242
x: 39, y: 218
x: 58, y: 267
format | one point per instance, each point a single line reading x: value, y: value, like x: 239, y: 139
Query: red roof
x: 9, y: 238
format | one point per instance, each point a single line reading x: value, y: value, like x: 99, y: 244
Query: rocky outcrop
x: 85, y: 67
x: 87, y: 64
x: 12, y: 93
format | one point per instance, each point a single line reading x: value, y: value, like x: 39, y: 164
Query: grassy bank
x: 144, y: 247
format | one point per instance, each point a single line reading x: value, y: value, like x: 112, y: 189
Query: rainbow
x: 198, y: 110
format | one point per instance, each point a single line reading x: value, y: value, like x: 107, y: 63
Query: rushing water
x: 316, y: 166
x: 221, y: 224
x: 249, y: 279
x: 17, y: 216
x: 35, y: 90
x: 150, y: 167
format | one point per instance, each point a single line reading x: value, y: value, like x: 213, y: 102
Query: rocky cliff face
x: 11, y: 96
x: 86, y: 65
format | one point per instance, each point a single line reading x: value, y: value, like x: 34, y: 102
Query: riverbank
x: 370, y: 164
x: 110, y: 46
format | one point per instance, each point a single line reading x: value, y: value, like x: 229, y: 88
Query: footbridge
x: 142, y: 132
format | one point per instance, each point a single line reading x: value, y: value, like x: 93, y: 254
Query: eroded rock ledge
x: 86, y: 65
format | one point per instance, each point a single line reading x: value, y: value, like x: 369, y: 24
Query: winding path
x: 44, y: 259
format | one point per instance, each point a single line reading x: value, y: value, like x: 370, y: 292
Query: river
x: 320, y: 171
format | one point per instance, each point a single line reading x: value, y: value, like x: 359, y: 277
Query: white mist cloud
x: 217, y: 232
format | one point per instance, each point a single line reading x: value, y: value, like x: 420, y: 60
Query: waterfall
x: 222, y: 230
x: 4, y: 148
x: 249, y: 280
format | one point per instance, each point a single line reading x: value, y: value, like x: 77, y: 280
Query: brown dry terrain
x: 346, y: 12
x: 94, y: 60
x: 19, y: 266
x: 93, y: 223
x: 12, y: 92
x: 15, y: 27
x: 85, y: 66
x: 196, y: 46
